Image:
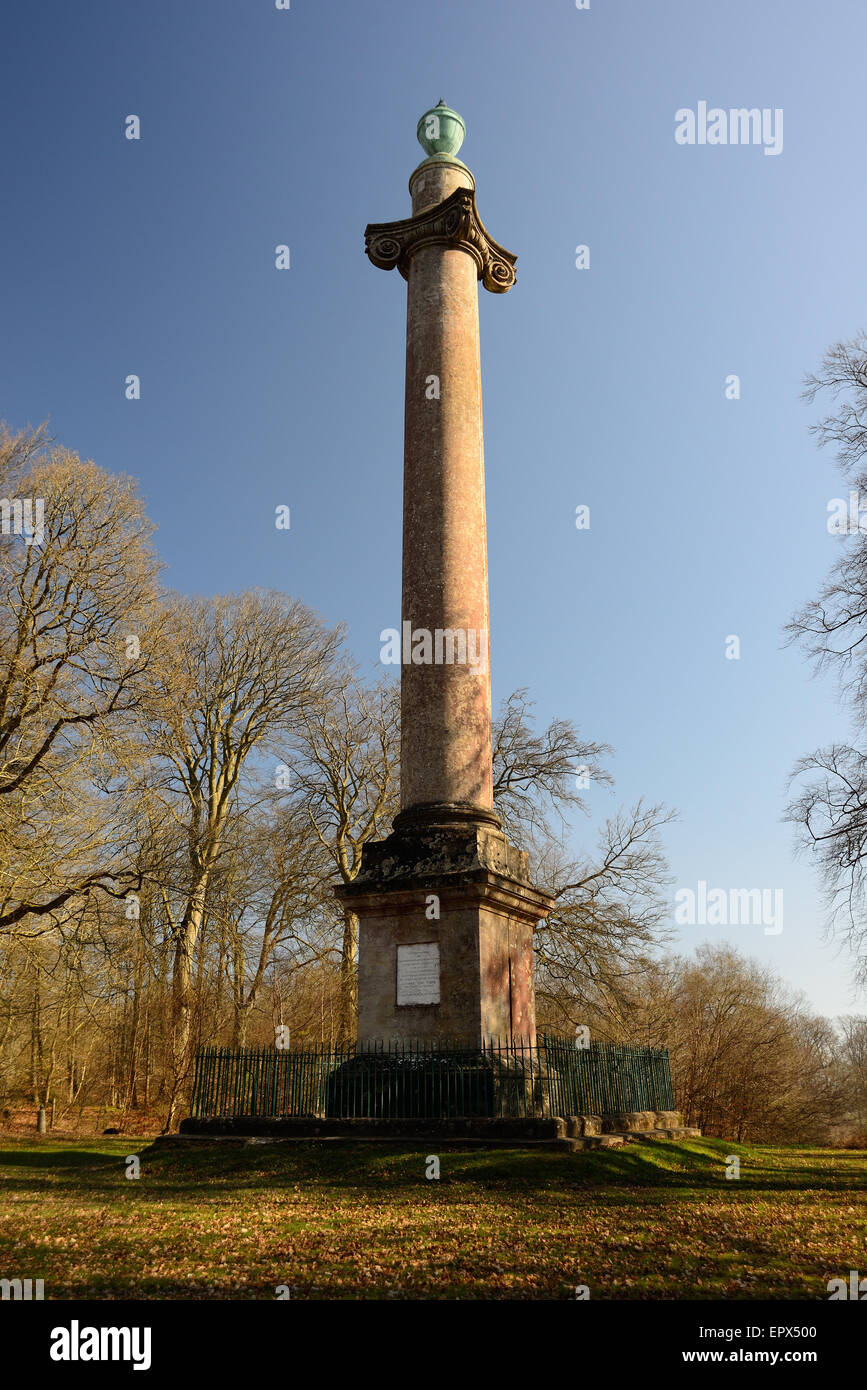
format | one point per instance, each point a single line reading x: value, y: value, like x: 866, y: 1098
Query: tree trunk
x: 36, y: 1040
x: 348, y: 980
x: 181, y: 1014
x: 241, y: 1020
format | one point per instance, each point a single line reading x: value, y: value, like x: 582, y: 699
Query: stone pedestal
x: 464, y: 891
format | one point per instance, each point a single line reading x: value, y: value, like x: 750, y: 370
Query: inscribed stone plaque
x: 418, y: 974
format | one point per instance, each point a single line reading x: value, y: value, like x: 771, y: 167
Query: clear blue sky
x: 604, y: 386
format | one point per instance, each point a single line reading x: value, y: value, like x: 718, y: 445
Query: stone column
x: 442, y: 251
x: 446, y: 908
x: 446, y: 706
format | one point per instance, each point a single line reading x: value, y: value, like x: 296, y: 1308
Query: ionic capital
x: 454, y: 223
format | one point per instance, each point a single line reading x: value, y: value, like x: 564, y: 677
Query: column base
x: 445, y: 815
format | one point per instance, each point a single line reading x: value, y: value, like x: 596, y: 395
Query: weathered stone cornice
x: 430, y: 858
x: 455, y: 223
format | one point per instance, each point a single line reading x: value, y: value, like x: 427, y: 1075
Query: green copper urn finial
x: 441, y: 131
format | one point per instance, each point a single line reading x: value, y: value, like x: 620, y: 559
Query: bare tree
x: 233, y: 672
x: 76, y: 598
x: 608, y: 922
x: 538, y: 777
x: 854, y: 1058
x: 828, y: 804
x: 345, y: 767
x: 267, y: 897
x: 749, y: 1061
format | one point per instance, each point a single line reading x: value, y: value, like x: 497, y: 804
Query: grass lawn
x: 653, y: 1220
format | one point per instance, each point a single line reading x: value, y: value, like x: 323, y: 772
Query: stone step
x: 679, y: 1132
x: 442, y: 1142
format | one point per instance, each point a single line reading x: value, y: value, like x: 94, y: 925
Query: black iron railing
x: 499, y: 1078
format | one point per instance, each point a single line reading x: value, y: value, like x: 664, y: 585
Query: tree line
x: 183, y: 780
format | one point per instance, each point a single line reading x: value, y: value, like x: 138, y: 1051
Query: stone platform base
x: 574, y: 1133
